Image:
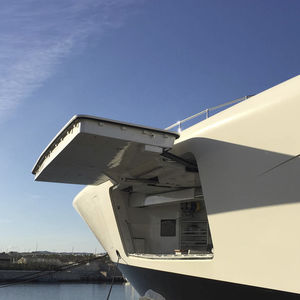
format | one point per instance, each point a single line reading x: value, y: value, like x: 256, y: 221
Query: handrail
x: 206, y: 112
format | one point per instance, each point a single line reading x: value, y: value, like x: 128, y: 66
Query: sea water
x: 67, y: 291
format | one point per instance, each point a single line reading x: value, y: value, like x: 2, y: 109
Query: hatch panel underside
x: 91, y: 151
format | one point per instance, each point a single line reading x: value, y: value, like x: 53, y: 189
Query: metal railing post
x: 179, y: 126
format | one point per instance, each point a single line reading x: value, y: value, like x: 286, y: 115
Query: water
x: 67, y: 291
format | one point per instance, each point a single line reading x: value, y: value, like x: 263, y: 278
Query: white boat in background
x: 211, y: 211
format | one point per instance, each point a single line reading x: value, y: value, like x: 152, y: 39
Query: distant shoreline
x: 57, y: 267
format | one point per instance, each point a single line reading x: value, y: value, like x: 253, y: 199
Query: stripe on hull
x: 173, y: 286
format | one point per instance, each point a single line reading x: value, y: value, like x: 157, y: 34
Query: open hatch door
x: 163, y: 214
x: 91, y: 150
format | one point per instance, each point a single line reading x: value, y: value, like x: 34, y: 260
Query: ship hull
x: 245, y: 263
x: 177, y: 286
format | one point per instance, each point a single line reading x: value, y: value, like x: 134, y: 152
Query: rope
x: 113, y: 277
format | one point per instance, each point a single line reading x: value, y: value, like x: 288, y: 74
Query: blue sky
x: 147, y: 62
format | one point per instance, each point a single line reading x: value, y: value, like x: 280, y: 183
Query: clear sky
x: 147, y: 62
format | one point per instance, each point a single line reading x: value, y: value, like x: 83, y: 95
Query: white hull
x: 257, y: 247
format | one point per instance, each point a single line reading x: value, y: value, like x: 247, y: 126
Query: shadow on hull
x: 173, y: 286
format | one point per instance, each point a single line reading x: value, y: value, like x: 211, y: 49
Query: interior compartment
x: 165, y: 218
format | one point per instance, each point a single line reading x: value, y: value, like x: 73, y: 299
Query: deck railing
x: 206, y: 112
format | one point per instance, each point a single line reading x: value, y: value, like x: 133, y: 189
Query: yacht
x: 209, y: 210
